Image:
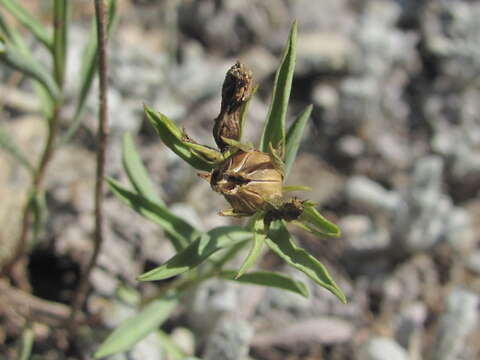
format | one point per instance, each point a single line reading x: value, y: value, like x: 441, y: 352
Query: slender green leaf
x: 173, y: 137
x: 134, y: 329
x: 314, y: 221
x: 137, y: 174
x: 7, y: 144
x: 88, y: 68
x: 281, y: 243
x: 16, y: 40
x: 294, y: 137
x: 244, y: 111
x: 26, y: 344
x: 173, y: 351
x: 274, y: 130
x: 266, y: 278
x: 28, y: 66
x: 290, y: 188
x: 197, y: 252
x: 29, y: 21
x: 60, y: 30
x: 180, y: 232
x: 257, y: 244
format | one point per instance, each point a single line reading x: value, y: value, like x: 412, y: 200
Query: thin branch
x: 102, y: 137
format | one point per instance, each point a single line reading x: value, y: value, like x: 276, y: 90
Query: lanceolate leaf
x: 256, y: 249
x: 137, y: 174
x: 180, y: 232
x: 314, y: 221
x: 271, y: 279
x: 197, y: 252
x: 7, y: 144
x: 26, y: 344
x: 29, y: 21
x: 173, y: 137
x: 138, y: 327
x: 244, y: 111
x: 89, y: 65
x: 28, y: 66
x: 280, y: 241
x: 294, y: 137
x: 274, y: 130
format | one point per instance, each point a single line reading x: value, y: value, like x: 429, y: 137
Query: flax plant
x: 251, y: 179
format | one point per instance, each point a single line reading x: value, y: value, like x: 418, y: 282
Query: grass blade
x: 281, y: 243
x: 316, y: 223
x: 180, y: 232
x: 29, y: 21
x: 270, y: 279
x: 173, y: 137
x: 137, y: 174
x: 138, y: 327
x: 256, y: 249
x: 7, y: 144
x: 197, y: 252
x: 274, y: 130
x: 31, y: 68
x: 88, y: 69
x: 294, y: 138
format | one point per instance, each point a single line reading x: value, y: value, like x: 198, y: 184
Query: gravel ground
x: 392, y: 153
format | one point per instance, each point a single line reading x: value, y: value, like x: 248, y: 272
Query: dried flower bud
x: 236, y: 89
x: 249, y: 181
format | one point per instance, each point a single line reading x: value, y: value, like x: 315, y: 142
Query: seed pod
x: 236, y: 89
x: 249, y: 181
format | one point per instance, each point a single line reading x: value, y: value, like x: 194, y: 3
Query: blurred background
x: 392, y: 153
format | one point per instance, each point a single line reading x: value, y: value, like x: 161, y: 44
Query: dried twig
x: 102, y: 136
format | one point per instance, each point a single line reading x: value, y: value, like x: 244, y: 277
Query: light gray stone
x: 459, y: 320
x: 381, y: 349
x: 230, y: 340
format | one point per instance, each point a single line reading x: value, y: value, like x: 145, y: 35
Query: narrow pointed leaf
x: 244, y: 111
x: 29, y: 21
x: 314, y: 220
x: 29, y: 67
x: 137, y: 174
x: 60, y: 30
x: 180, y: 232
x: 172, y: 136
x: 294, y: 138
x: 197, y: 252
x: 7, y: 144
x: 89, y: 66
x: 270, y: 279
x: 274, y: 130
x: 281, y: 243
x: 134, y: 329
x: 26, y: 344
x: 290, y: 188
x: 256, y: 249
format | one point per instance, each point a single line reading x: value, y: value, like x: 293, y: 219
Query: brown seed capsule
x: 236, y: 89
x: 249, y: 181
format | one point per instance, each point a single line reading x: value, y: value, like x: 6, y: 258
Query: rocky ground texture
x: 392, y: 153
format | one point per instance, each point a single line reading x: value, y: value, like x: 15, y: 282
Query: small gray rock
x: 381, y: 349
x: 229, y: 341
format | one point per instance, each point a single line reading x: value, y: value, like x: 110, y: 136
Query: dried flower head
x: 249, y: 181
x: 236, y: 90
